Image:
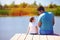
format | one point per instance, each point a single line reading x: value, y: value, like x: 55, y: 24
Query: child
x: 32, y: 28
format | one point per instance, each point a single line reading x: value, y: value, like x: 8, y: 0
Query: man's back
x: 47, y: 22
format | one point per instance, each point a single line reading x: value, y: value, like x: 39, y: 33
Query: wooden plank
x: 52, y: 37
x: 29, y: 37
x: 36, y: 37
x: 15, y: 37
x: 56, y: 37
x: 43, y: 37
x: 22, y: 37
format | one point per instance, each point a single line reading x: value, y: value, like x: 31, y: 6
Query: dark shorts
x: 46, y: 32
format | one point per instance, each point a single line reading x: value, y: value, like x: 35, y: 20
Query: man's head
x: 41, y: 9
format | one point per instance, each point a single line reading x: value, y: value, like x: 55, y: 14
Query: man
x: 45, y: 22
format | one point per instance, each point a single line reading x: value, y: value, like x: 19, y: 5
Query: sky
x: 43, y: 2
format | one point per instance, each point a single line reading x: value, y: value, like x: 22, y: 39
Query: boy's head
x: 32, y: 19
x: 40, y: 9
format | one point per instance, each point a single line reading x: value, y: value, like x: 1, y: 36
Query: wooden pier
x: 34, y: 37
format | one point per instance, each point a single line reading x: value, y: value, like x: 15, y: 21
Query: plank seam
x: 32, y: 37
x: 46, y: 37
x: 25, y: 37
x: 18, y: 37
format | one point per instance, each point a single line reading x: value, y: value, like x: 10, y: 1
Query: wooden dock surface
x: 34, y: 37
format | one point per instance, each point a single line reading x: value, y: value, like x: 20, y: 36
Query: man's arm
x: 40, y: 20
x: 39, y: 24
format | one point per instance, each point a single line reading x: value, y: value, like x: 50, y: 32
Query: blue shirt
x: 46, y: 19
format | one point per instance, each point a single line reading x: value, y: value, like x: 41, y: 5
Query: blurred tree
x: 0, y: 5
x: 50, y: 5
x: 34, y: 4
x: 12, y: 4
x: 54, y: 5
x: 40, y: 4
x: 16, y: 6
x: 24, y: 5
x: 5, y: 6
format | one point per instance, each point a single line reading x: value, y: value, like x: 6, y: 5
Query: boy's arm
x: 37, y: 29
x: 28, y: 30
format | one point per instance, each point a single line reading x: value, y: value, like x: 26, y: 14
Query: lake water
x: 12, y: 25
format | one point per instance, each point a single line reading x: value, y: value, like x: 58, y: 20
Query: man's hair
x: 40, y: 8
x: 32, y: 18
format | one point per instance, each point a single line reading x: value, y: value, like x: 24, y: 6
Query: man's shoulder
x: 41, y: 15
x: 51, y: 13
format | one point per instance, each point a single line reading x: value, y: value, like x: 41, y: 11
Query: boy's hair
x: 32, y: 18
x: 40, y: 8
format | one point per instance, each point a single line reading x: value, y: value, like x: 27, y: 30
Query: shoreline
x: 22, y: 16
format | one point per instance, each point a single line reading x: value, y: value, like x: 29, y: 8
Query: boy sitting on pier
x: 32, y: 28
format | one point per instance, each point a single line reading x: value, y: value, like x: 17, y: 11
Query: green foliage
x: 34, y: 3
x: 57, y: 12
x: 4, y: 12
x: 52, y: 5
x: 12, y: 4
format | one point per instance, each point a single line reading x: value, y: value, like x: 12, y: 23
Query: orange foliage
x: 22, y: 11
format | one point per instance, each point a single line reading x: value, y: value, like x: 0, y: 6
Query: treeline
x: 22, y: 5
x: 25, y: 9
